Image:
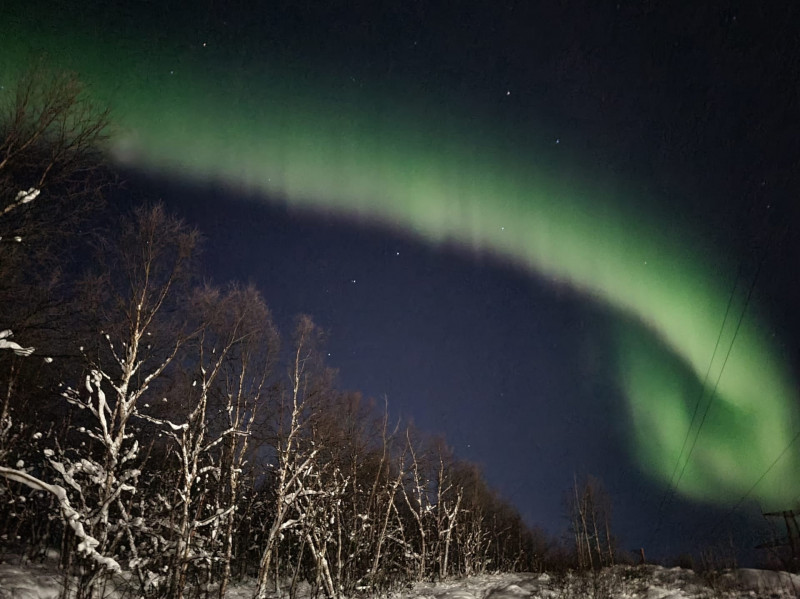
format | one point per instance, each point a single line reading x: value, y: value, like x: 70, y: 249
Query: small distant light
x: 508, y: 92
x: 558, y: 140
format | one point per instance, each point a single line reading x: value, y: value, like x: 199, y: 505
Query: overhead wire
x: 772, y: 465
x: 672, y: 487
x: 722, y: 369
x: 669, y: 491
x: 742, y: 499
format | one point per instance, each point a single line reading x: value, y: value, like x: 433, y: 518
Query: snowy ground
x: 648, y: 582
x: 32, y: 581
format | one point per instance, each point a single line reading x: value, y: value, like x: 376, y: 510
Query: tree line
x: 157, y: 429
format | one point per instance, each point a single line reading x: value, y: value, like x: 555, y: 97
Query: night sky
x: 547, y: 230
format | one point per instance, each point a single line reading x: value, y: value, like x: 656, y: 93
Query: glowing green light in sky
x: 410, y: 166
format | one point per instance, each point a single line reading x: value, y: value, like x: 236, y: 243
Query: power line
x: 668, y: 492
x: 722, y: 368
x: 791, y: 442
x: 666, y: 497
x: 672, y: 489
x: 713, y: 394
x: 753, y: 487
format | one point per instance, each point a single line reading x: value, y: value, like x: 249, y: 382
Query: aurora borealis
x: 449, y: 173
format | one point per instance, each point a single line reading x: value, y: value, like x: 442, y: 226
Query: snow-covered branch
x: 23, y: 197
x: 72, y: 517
x: 12, y: 345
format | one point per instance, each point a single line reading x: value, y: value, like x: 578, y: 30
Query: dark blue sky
x: 512, y: 369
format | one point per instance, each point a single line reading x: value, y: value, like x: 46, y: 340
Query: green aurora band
x: 447, y: 179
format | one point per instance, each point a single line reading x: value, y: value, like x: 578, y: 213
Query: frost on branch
x: 23, y: 197
x: 87, y: 544
x: 15, y: 347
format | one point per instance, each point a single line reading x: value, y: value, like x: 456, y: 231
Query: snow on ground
x: 33, y: 581
x: 646, y: 582
x: 29, y: 581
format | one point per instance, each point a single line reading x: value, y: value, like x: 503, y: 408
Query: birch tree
x: 472, y: 532
x: 590, y: 515
x: 449, y: 496
x: 416, y: 492
x: 139, y: 279
x: 294, y: 454
x: 384, y: 492
x: 51, y: 135
x: 227, y: 361
x: 51, y: 178
x: 243, y: 391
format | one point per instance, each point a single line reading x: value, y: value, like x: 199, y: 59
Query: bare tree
x: 590, y: 516
x: 139, y: 276
x: 228, y: 361
x: 294, y: 455
x: 382, y: 500
x: 50, y: 136
x: 242, y: 390
x: 449, y: 496
x: 473, y: 533
x: 51, y: 178
x: 417, y: 496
